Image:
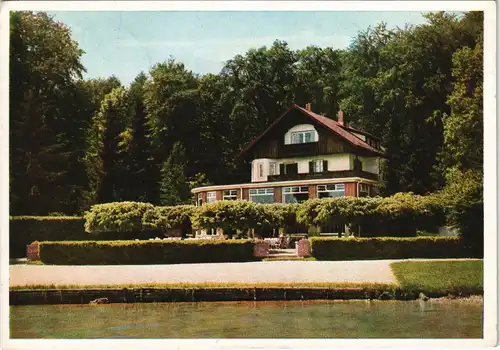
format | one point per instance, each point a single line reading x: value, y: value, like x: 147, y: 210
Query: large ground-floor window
x: 336, y: 190
x: 261, y: 195
x: 295, y: 194
x: 211, y: 197
x: 230, y: 195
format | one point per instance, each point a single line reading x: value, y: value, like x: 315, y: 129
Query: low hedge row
x: 388, y: 248
x: 24, y: 230
x: 145, y: 252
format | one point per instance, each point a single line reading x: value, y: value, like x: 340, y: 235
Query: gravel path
x: 374, y: 271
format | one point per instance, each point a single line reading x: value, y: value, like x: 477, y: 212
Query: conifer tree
x: 174, y: 189
x: 104, y: 139
x: 140, y: 184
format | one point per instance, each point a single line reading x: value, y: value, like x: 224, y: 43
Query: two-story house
x: 304, y: 155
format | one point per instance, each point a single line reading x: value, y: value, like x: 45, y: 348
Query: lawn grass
x: 453, y: 277
x: 25, y: 262
x: 329, y: 285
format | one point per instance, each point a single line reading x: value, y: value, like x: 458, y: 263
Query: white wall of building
x: 336, y: 162
x: 266, y: 164
x: 370, y: 164
x: 300, y: 127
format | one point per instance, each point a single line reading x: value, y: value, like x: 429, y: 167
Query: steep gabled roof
x: 357, y: 131
x: 332, y: 125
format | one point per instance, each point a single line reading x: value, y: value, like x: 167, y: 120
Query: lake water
x: 306, y: 319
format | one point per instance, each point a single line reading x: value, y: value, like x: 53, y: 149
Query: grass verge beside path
x: 371, y: 286
x: 453, y: 277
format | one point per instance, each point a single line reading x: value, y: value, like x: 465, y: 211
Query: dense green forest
x: 75, y: 142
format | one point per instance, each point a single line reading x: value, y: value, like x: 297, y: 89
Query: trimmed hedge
x: 169, y: 217
x: 145, y: 252
x: 387, y: 248
x: 400, y: 215
x: 26, y: 229
x: 116, y: 217
x: 231, y: 216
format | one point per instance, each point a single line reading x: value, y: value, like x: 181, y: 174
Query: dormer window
x: 303, y: 136
x: 303, y: 133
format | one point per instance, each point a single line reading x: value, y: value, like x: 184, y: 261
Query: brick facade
x: 33, y: 251
x: 313, y: 191
x: 218, y: 195
x: 351, y: 189
x: 303, y: 248
x: 246, y: 195
x: 278, y: 198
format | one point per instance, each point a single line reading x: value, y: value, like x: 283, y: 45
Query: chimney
x: 308, y: 106
x: 340, y: 117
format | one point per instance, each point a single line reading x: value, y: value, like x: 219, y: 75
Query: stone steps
x: 282, y: 254
x: 283, y: 258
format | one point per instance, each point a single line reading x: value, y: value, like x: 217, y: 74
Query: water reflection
x: 320, y: 319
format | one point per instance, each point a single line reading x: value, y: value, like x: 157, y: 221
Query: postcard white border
x: 490, y: 166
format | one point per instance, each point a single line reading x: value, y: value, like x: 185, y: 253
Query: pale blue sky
x: 124, y: 43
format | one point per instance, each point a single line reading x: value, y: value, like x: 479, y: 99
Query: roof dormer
x: 302, y: 133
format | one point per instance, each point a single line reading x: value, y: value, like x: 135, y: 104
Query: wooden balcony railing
x: 323, y: 175
x: 299, y: 149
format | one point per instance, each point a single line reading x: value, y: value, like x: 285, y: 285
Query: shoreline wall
x: 144, y: 295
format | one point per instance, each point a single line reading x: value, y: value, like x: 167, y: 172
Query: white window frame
x: 200, y: 199
x: 255, y: 192
x: 318, y: 166
x: 297, y: 137
x: 261, y: 170
x: 231, y: 196
x: 294, y: 190
x: 211, y: 196
x: 272, y: 168
x: 331, y: 188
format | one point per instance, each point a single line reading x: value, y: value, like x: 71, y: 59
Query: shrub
x: 387, y: 248
x: 281, y: 215
x: 318, y: 212
x: 275, y: 216
x: 144, y: 252
x: 231, y: 216
x: 400, y: 214
x: 463, y: 197
x: 116, y: 217
x: 406, y: 213
x: 24, y: 230
x: 169, y: 217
